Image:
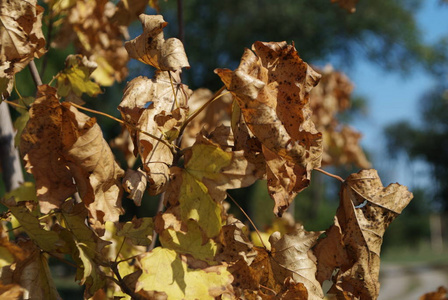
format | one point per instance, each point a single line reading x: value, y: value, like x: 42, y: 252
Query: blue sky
x: 394, y: 97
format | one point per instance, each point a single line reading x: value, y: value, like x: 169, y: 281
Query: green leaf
x: 25, y: 192
x: 139, y: 231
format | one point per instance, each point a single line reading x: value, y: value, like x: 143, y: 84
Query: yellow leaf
x: 177, y: 280
x: 74, y: 80
x: 6, y: 258
x: 189, y: 242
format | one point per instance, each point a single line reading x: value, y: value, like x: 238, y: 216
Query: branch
x: 9, y: 156
x: 123, y: 285
x: 34, y: 73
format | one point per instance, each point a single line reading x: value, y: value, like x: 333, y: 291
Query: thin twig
x: 14, y: 104
x: 154, y: 234
x: 329, y: 174
x: 217, y: 95
x: 121, y: 122
x: 249, y: 219
x: 34, y: 73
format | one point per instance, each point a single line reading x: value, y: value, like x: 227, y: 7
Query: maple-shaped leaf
x: 272, y: 86
x: 139, y: 231
x: 151, y: 47
x: 21, y: 38
x: 151, y: 106
x: 349, y: 5
x: 292, y: 257
x: 353, y: 243
x: 200, y: 187
x: 178, y: 280
x: 74, y: 80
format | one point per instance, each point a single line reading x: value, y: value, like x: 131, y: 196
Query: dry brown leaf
x: 151, y: 47
x: 349, y: 5
x: 92, y: 164
x: 21, y: 37
x: 42, y: 149
x: 353, y: 243
x: 292, y: 258
x: 276, y: 109
x: 11, y: 291
x: 150, y: 105
x: 124, y: 143
x: 134, y: 182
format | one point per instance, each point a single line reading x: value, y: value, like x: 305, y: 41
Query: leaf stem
x: 217, y: 95
x: 329, y: 174
x: 249, y: 219
x: 122, y: 122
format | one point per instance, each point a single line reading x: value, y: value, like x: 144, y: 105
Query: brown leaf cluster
x: 277, y: 112
x: 96, y: 36
x: 341, y: 143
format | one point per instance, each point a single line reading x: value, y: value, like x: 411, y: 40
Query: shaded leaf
x: 42, y: 150
x: 128, y: 10
x: 178, y: 281
x: 74, y: 79
x: 139, y: 231
x: 151, y: 47
x: 134, y: 182
x: 48, y: 241
x: 25, y: 192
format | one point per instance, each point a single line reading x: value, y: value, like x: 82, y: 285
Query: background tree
x: 385, y: 32
x: 426, y: 140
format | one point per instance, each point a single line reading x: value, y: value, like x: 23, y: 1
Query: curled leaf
x: 151, y: 47
x: 353, y: 243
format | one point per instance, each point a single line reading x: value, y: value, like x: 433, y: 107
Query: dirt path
x: 410, y: 281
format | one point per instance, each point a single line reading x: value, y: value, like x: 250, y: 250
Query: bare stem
x: 14, y: 104
x: 122, y: 122
x: 329, y: 174
x: 154, y: 234
x: 249, y: 219
x: 217, y: 95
